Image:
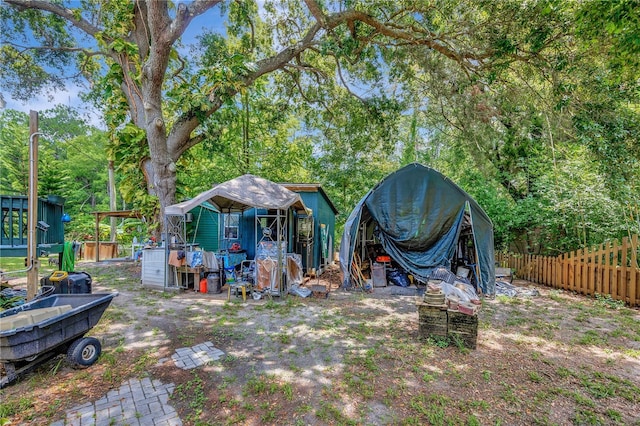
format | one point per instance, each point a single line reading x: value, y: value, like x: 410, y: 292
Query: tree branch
x: 344, y: 83
x: 58, y: 49
x: 194, y: 141
x: 189, y: 121
x: 185, y: 14
x: 56, y: 9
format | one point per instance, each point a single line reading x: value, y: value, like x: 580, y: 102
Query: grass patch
x: 267, y: 385
x: 12, y: 406
x: 192, y: 391
x: 430, y: 408
x: 328, y: 412
x: 591, y: 338
x: 606, y: 301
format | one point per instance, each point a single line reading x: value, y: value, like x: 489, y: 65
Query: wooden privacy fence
x: 607, y: 269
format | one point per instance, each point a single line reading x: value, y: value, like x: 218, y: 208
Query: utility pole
x: 33, y: 263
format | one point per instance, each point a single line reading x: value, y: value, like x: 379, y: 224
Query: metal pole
x: 32, y: 249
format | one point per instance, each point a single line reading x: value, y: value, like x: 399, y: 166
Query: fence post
x: 623, y: 269
x: 591, y: 279
x: 579, y: 261
x: 614, y: 267
x: 598, y: 277
x: 635, y: 268
x: 571, y: 277
x: 565, y: 271
x: 606, y: 286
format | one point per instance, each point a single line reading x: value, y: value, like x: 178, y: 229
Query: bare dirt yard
x: 351, y: 359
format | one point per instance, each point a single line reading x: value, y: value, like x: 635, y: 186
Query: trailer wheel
x: 84, y: 352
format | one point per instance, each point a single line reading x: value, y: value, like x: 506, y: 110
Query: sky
x: 71, y: 95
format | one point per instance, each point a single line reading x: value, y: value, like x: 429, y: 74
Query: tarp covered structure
x: 242, y: 193
x: 418, y: 215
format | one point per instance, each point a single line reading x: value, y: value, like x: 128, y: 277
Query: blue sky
x: 71, y: 95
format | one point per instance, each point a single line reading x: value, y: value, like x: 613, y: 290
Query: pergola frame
x: 125, y: 214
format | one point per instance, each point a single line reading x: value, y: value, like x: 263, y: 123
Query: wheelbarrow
x: 41, y: 329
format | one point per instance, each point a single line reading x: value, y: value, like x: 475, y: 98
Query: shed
x: 313, y: 236
x: 272, y: 206
x: 316, y: 240
x: 14, y: 235
x: 423, y: 221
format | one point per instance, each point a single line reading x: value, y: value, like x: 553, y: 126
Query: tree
x: 72, y: 162
x: 142, y: 70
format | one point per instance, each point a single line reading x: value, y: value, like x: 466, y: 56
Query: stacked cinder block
x: 437, y: 322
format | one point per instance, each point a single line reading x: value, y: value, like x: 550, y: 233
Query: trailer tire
x: 84, y: 352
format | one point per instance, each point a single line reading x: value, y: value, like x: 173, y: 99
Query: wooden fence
x: 608, y: 269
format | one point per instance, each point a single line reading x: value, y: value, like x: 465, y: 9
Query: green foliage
x: 72, y: 164
x: 534, y: 112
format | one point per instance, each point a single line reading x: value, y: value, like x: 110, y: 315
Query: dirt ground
x: 352, y: 358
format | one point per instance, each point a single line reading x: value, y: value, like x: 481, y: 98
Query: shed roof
x: 242, y: 193
x: 419, y: 214
x: 311, y: 187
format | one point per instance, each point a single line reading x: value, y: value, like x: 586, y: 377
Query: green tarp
x: 419, y: 214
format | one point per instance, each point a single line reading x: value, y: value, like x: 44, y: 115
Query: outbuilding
x: 421, y: 221
x: 312, y: 233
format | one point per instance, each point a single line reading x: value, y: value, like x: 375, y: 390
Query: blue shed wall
x: 248, y: 234
x: 322, y: 214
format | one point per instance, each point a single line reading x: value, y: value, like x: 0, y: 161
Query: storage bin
x: 74, y: 283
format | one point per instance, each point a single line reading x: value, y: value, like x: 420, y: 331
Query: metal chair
x: 248, y: 271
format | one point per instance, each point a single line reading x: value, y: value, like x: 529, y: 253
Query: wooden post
x: 570, y: 271
x: 32, y: 241
x: 614, y: 268
x: 623, y: 270
x: 565, y: 271
x: 606, y: 285
x: 598, y: 271
x: 579, y: 261
x: 590, y: 265
x: 634, y: 272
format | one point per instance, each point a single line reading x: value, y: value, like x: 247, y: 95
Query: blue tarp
x: 419, y: 214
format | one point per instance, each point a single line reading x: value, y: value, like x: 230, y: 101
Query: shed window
x: 231, y: 226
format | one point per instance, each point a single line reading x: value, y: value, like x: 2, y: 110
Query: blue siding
x: 323, y: 213
x: 248, y: 234
x: 211, y: 228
